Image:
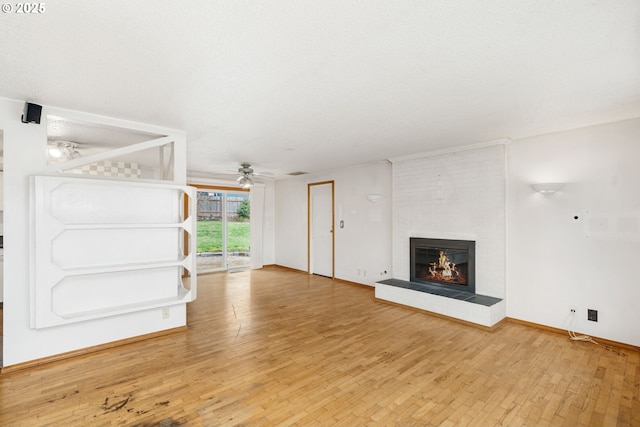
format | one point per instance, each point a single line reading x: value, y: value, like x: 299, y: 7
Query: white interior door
x: 321, y: 229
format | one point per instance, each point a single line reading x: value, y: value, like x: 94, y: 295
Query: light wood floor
x: 278, y: 347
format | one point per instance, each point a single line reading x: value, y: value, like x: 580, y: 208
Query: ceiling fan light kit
x: 55, y: 152
x: 246, y: 172
x: 245, y: 182
x: 63, y: 149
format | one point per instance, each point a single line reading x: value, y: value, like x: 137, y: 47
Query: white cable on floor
x: 587, y: 338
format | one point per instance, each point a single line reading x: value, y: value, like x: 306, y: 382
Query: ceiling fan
x: 246, y: 172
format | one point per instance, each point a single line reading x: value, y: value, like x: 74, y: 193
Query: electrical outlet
x: 166, y: 313
x: 572, y: 310
x: 592, y: 315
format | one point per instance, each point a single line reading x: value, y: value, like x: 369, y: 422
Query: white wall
x: 362, y: 247
x: 556, y: 262
x: 25, y: 155
x: 291, y: 222
x: 456, y: 195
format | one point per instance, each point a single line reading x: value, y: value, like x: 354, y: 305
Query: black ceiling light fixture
x: 31, y: 113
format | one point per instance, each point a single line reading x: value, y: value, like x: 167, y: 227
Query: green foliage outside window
x: 244, y: 210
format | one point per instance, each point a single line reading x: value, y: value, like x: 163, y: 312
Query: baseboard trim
x: 349, y: 282
x: 502, y: 322
x: 282, y: 267
x: 442, y: 316
x: 603, y: 341
x: 83, y: 351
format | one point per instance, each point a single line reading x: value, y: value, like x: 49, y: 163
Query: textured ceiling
x: 301, y: 85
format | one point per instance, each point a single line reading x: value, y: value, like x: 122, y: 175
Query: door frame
x: 333, y: 228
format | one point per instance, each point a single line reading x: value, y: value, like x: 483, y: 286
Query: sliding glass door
x: 223, y: 229
x: 238, y: 230
x: 210, y: 255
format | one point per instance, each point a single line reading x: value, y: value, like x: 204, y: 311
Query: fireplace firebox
x: 445, y: 263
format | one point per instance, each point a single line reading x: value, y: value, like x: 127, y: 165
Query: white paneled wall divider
x: 103, y: 247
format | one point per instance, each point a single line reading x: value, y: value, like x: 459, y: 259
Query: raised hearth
x: 474, y: 308
x: 438, y: 290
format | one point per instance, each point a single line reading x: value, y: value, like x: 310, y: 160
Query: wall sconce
x: 547, y: 187
x: 374, y: 198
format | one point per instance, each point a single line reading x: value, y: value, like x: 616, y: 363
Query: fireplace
x: 449, y: 264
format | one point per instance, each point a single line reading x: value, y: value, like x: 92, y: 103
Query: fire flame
x: 445, y: 271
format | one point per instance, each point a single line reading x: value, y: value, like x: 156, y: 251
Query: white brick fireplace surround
x: 452, y: 195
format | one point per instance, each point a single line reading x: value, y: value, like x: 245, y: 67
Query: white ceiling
x: 306, y: 85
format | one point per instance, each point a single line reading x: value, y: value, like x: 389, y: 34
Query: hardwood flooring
x: 278, y: 347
